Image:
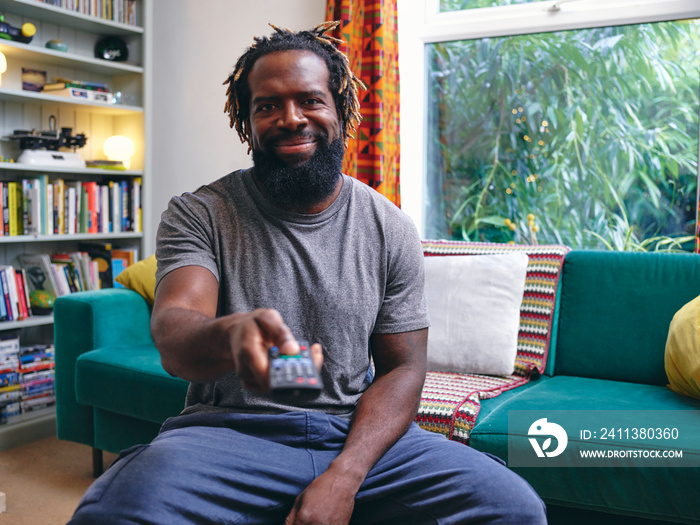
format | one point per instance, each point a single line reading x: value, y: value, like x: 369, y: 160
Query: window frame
x: 421, y: 23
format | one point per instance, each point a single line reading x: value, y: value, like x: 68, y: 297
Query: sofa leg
x: 97, y: 466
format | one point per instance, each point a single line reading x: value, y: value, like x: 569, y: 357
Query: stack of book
x: 14, y: 294
x: 111, y: 260
x: 94, y: 266
x: 36, y: 377
x: 122, y: 11
x: 10, y: 388
x: 38, y: 206
x: 78, y: 89
x: 61, y: 273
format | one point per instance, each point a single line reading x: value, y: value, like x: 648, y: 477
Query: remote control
x: 294, y: 377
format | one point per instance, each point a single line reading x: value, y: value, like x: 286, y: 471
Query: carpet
x: 43, y: 481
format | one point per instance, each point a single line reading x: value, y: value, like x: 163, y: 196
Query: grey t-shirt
x: 336, y: 277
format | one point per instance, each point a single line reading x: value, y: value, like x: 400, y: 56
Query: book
x: 78, y: 84
x: 59, y: 200
x: 92, y: 200
x: 32, y: 207
x: 136, y: 204
x: 117, y: 165
x: 130, y: 255
x: 48, y: 203
x: 66, y: 264
x: 83, y: 94
x: 61, y: 279
x: 118, y: 266
x: 5, y: 208
x: 6, y: 298
x: 115, y: 197
x: 9, y: 283
x: 3, y: 308
x: 12, y: 207
x: 9, y: 343
x: 22, y: 305
x: 39, y: 272
x: 25, y: 288
x: 101, y: 253
x: 43, y: 183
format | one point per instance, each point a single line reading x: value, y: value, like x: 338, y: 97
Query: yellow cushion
x: 141, y: 277
x: 682, y: 359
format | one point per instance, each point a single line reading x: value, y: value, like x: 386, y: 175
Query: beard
x: 304, y: 185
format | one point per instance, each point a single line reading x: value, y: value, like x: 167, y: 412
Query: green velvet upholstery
x: 84, y: 322
x: 119, y: 378
x: 661, y: 493
x: 615, y: 311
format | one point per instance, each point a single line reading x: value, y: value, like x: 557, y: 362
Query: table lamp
x: 119, y: 147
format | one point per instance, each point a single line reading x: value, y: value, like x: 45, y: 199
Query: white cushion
x: 474, y: 306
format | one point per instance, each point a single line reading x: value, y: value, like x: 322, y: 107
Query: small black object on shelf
x: 112, y: 48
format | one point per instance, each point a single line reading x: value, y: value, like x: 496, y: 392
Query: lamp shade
x: 119, y: 147
x: 3, y: 66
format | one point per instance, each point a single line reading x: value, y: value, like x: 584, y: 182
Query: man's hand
x: 252, y: 335
x: 197, y: 346
x: 330, y: 499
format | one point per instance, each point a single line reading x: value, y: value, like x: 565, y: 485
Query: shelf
x: 28, y: 427
x: 7, y: 239
x: 56, y: 15
x: 13, y: 49
x: 20, y: 95
x: 14, y: 167
x: 35, y: 320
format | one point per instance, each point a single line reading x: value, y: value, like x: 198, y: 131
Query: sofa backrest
x: 615, y: 309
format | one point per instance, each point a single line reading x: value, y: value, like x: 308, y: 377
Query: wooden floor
x: 43, y: 481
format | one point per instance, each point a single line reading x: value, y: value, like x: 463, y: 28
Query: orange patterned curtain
x: 370, y: 29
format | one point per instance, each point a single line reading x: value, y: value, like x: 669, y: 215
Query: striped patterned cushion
x: 450, y: 402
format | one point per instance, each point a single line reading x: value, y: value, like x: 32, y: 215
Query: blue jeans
x: 245, y: 468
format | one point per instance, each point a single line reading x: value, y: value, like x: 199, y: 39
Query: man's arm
x: 382, y: 416
x: 197, y: 346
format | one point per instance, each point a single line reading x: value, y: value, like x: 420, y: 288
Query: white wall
x: 194, y: 46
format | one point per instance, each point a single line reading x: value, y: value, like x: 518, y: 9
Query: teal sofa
x: 606, y: 353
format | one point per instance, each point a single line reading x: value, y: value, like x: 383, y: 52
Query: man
x: 294, y: 249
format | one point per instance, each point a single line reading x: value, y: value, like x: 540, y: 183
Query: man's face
x: 295, y: 131
x: 291, y: 106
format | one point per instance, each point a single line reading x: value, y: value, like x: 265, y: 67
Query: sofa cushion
x: 141, y: 278
x: 633, y: 491
x: 615, y: 310
x: 474, y: 306
x: 682, y: 357
x: 129, y: 380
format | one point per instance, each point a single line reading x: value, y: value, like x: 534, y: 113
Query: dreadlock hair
x: 343, y: 84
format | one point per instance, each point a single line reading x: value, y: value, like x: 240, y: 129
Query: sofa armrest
x: 83, y: 322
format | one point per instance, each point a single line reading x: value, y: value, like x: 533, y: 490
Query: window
x: 579, y: 129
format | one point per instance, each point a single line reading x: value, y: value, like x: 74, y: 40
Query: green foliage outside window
x: 587, y: 138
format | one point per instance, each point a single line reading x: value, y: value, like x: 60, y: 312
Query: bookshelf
x: 28, y: 110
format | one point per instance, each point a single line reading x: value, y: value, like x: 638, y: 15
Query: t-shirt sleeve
x: 185, y: 236
x: 404, y: 307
